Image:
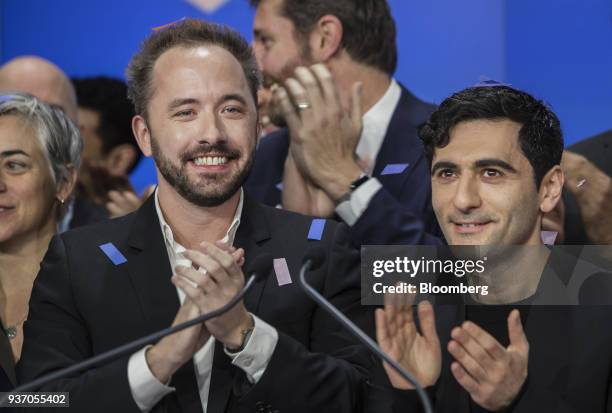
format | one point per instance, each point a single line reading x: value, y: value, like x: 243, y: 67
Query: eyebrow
x: 176, y: 103
x: 481, y: 163
x: 6, y: 154
x: 443, y: 165
x: 233, y: 96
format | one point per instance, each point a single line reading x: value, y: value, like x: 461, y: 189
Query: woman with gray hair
x: 40, y: 152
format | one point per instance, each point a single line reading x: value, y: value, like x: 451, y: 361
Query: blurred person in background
x: 105, y: 122
x: 373, y: 175
x: 584, y: 215
x: 46, y: 81
x: 111, y: 152
x: 40, y: 152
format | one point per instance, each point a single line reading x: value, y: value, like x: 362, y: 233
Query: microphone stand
x: 363, y: 337
x: 131, y: 347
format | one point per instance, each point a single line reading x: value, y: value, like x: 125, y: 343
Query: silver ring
x: 303, y: 105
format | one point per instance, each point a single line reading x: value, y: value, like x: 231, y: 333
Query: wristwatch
x: 246, y: 334
x: 363, y: 178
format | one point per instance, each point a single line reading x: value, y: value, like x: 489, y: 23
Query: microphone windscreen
x: 596, y: 290
x: 261, y: 266
x: 316, y: 255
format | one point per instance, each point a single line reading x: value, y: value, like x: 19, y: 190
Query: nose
x: 213, y: 130
x: 467, y: 194
x: 3, y: 186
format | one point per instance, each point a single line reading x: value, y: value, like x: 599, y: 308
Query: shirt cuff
x: 146, y: 389
x: 351, y: 210
x: 256, y: 355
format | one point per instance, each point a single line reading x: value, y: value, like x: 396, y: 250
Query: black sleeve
x: 330, y: 373
x: 56, y: 337
x: 408, y: 401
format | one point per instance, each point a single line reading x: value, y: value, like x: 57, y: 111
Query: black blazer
x: 7, y: 365
x: 82, y: 304
x: 401, y: 212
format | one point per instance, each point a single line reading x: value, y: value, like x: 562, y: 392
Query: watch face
x: 359, y: 182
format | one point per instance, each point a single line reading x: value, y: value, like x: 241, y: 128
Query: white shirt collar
x: 375, y: 124
x: 177, y: 248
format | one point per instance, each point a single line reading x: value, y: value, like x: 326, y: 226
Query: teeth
x: 210, y: 160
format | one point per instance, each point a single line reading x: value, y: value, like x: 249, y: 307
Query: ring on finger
x: 303, y: 105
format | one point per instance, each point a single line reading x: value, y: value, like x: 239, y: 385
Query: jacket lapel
x: 401, y: 144
x: 150, y: 272
x: 251, y: 236
x: 149, y: 269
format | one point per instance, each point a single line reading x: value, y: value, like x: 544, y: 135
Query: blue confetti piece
x: 316, y: 229
x: 279, y: 186
x: 486, y: 82
x: 394, y: 168
x: 113, y: 253
x: 6, y: 98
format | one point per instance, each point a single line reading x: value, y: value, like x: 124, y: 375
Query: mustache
x: 218, y: 149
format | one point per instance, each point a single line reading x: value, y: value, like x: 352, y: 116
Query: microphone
x: 313, y: 259
x: 260, y: 269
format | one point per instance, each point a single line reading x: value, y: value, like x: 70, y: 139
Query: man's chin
x: 470, y: 240
x: 209, y: 198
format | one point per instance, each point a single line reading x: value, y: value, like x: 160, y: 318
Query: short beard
x: 179, y: 179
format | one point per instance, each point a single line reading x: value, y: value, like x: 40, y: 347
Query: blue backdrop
x: 559, y: 50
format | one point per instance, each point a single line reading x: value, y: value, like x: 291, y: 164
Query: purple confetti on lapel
x: 548, y: 237
x: 282, y: 271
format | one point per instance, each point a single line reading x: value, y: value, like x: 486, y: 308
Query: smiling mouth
x: 210, y: 160
x: 470, y: 227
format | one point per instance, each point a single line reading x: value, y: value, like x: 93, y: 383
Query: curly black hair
x: 540, y: 136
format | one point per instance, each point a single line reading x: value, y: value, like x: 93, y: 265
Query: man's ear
x: 550, y: 189
x: 142, y: 134
x: 326, y: 38
x: 120, y: 159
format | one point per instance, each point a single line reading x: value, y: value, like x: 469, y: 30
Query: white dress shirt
x: 253, y: 359
x: 375, y: 124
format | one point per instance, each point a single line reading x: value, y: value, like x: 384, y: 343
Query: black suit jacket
x: 7, y: 365
x: 82, y: 304
x: 399, y: 213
